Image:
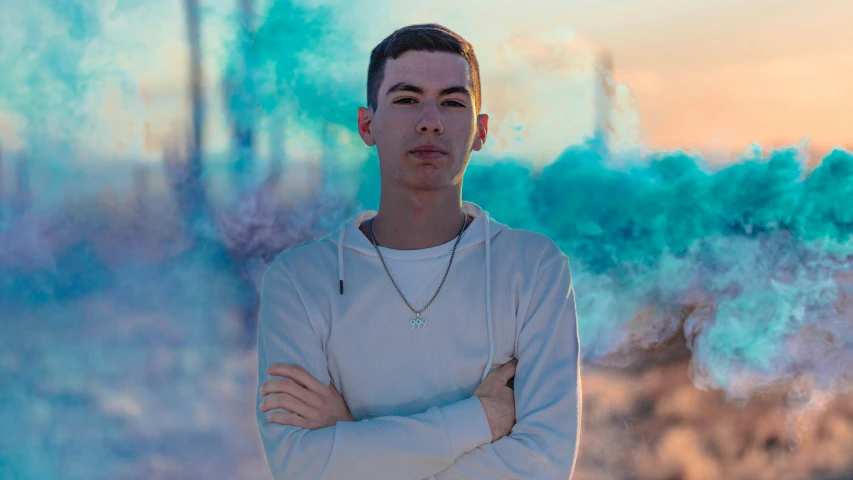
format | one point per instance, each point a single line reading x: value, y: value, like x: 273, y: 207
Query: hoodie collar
x: 349, y: 236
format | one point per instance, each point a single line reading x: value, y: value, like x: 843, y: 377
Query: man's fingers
x: 290, y: 387
x: 277, y: 385
x: 285, y: 401
x: 281, y: 369
x: 287, y: 419
x: 508, y: 370
x: 299, y: 374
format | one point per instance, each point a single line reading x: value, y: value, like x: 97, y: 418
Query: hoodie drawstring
x: 341, y: 258
x: 488, y: 297
x: 488, y: 241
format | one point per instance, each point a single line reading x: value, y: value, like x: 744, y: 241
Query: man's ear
x: 365, y: 117
x: 482, y: 131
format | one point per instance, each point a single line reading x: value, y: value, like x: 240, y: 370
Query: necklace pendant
x: 417, y: 322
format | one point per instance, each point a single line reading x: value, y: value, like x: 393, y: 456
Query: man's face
x: 426, y: 98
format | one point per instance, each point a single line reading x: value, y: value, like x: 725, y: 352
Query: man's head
x: 419, y: 38
x: 423, y: 88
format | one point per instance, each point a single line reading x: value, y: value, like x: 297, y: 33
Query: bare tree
x: 189, y: 186
x: 240, y: 92
x: 604, y: 90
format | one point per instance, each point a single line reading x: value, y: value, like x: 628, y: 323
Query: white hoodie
x: 508, y: 295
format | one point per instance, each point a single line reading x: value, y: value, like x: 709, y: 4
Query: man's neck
x: 412, y: 223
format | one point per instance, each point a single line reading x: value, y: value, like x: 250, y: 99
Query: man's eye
x: 405, y: 101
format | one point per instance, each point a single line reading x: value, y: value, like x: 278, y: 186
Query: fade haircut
x: 430, y: 37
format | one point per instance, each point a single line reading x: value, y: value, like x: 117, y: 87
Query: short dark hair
x: 430, y: 37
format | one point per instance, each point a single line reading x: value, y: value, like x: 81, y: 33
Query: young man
x: 420, y: 313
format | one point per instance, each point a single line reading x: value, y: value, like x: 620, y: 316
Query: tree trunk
x: 242, y: 86
x: 192, y: 195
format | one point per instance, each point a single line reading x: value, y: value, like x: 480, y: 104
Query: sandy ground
x: 653, y: 424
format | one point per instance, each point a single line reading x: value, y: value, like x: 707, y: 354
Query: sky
x: 708, y: 76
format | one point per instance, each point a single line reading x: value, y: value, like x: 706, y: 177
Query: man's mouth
x: 428, y: 152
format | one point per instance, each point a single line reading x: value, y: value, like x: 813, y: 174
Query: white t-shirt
x: 413, y: 270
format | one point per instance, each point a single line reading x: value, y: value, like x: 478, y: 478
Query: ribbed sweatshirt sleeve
x: 391, y: 447
x: 543, y: 443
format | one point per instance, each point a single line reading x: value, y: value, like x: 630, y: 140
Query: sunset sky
x: 710, y: 76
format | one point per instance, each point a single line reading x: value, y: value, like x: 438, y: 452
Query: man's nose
x: 430, y: 120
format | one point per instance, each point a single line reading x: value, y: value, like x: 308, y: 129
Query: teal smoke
x: 755, y: 253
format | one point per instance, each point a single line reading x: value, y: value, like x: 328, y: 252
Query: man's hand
x: 313, y: 404
x: 498, y: 399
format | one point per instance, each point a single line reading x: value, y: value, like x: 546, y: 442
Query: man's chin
x: 427, y: 184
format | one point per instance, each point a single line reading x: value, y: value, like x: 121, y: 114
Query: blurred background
x: 693, y: 159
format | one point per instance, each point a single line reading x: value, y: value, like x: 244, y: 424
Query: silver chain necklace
x: 417, y: 320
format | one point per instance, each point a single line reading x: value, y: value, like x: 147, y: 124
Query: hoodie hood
x: 481, y: 231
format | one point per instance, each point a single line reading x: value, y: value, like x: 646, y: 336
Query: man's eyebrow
x: 456, y: 89
x: 408, y: 87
